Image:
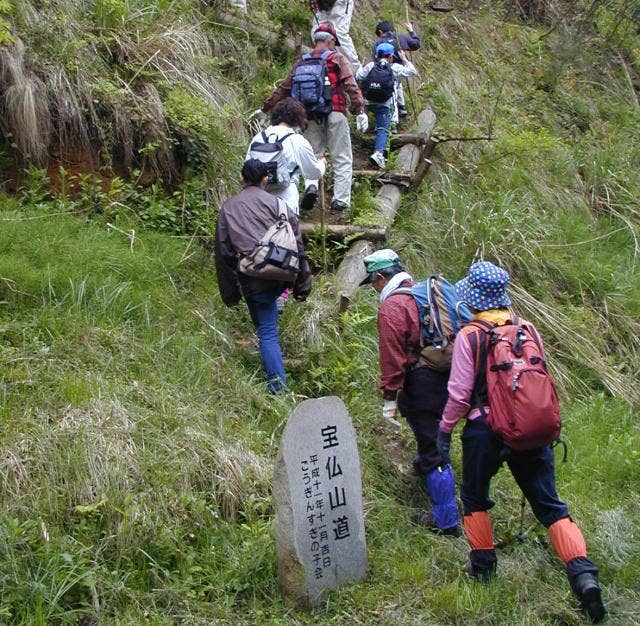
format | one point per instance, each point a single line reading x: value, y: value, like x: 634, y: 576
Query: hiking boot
x: 309, y: 198
x: 480, y: 575
x: 338, y: 208
x: 587, y: 590
x: 402, y: 110
x: 377, y: 158
x: 426, y: 519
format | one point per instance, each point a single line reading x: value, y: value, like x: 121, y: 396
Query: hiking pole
x: 323, y: 225
x: 521, y: 536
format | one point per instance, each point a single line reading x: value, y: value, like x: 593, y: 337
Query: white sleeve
x: 306, y: 159
x: 404, y: 71
x: 363, y: 71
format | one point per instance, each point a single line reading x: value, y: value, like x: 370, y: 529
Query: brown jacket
x: 343, y: 82
x: 243, y: 220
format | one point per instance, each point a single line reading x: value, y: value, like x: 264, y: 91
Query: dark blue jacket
x: 404, y: 42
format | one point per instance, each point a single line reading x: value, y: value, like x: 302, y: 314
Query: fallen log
x: 385, y: 177
x: 397, y: 141
x: 345, y: 230
x: 351, y: 271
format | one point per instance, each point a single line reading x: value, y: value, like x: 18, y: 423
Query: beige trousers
x: 334, y: 134
x: 340, y: 16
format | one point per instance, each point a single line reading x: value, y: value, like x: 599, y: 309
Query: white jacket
x: 399, y: 72
x: 301, y: 158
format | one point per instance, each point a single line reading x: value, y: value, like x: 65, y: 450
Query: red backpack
x: 523, y: 401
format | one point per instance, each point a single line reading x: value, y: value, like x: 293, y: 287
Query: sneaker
x: 377, y: 158
x: 587, y: 590
x: 338, y: 208
x: 402, y: 110
x: 309, y: 198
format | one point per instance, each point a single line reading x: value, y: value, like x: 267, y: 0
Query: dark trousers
x: 483, y: 452
x: 482, y: 455
x: 421, y: 403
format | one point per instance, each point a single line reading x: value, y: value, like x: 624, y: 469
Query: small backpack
x: 379, y: 83
x: 442, y: 314
x: 270, y: 153
x: 310, y: 85
x: 326, y: 5
x: 275, y: 256
x: 523, y: 400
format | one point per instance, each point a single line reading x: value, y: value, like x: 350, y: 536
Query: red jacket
x: 343, y: 84
x: 399, y: 340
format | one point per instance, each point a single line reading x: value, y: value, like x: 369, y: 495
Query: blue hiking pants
x: 264, y: 315
x: 383, y: 125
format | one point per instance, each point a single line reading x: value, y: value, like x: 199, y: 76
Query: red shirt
x: 399, y: 340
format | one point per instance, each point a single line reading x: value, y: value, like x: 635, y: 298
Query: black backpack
x: 379, y: 84
x: 326, y: 5
x: 310, y: 85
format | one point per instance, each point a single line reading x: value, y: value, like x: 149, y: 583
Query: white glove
x: 389, y: 412
x: 362, y: 122
x: 258, y: 115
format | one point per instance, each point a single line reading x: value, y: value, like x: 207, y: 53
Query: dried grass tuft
x: 572, y: 346
x: 615, y: 536
x: 24, y: 111
x: 230, y: 471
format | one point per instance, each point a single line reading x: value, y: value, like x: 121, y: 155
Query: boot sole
x: 592, y: 605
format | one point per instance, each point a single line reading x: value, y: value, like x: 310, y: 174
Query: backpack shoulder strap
x: 483, y: 325
x: 283, y: 208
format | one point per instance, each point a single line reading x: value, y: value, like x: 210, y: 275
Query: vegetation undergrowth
x: 137, y: 441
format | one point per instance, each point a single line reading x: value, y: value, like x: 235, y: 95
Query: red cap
x: 327, y: 27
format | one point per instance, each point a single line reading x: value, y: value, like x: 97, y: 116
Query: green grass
x: 137, y: 440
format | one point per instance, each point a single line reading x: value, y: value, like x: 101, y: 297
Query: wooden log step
x: 394, y: 178
x: 344, y: 230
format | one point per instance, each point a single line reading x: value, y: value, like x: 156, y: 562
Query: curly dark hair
x: 290, y: 111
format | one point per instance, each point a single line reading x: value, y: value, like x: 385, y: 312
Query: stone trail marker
x: 317, y: 490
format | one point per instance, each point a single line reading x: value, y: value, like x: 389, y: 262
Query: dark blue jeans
x: 264, y: 314
x: 483, y: 452
x: 383, y: 125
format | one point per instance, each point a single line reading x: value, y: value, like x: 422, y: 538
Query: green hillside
x: 137, y: 440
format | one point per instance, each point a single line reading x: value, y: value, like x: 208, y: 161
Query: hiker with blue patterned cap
x: 500, y: 383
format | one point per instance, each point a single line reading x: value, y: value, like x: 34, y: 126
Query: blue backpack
x: 442, y: 314
x: 310, y: 85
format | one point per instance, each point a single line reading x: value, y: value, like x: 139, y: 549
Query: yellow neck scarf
x: 499, y: 317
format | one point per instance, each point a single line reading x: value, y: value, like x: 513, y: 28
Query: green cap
x: 379, y: 260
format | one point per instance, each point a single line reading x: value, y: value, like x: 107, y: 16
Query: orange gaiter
x: 567, y: 539
x: 477, y: 528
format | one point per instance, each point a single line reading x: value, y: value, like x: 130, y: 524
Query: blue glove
x: 443, y: 443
